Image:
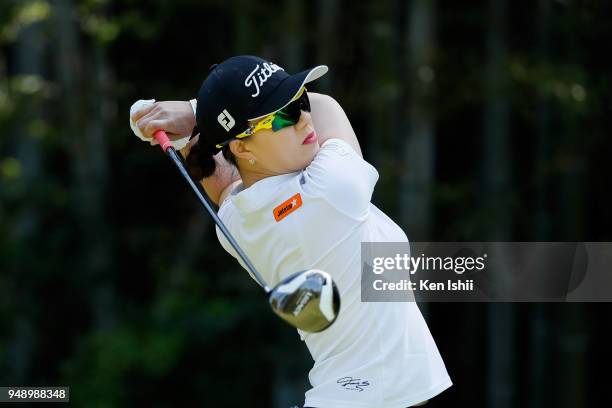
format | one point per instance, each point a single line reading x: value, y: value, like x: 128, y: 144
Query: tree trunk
x: 29, y: 61
x: 540, y: 330
x: 244, y: 28
x: 326, y: 50
x: 496, y: 194
x: 292, y: 42
x: 417, y: 160
x: 572, y: 161
x: 84, y: 82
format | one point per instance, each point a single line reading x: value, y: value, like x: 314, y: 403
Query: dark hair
x: 201, y: 163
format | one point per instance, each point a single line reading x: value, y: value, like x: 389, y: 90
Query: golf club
x: 308, y: 300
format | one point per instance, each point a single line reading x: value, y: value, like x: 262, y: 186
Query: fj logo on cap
x: 287, y: 207
x: 226, y: 120
x: 259, y: 77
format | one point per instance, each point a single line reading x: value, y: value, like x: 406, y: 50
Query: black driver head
x: 308, y: 300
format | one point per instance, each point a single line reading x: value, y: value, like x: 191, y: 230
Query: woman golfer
x: 299, y: 198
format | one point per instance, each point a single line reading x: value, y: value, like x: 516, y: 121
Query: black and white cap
x: 244, y: 88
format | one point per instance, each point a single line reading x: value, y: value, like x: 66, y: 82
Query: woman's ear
x: 240, y: 150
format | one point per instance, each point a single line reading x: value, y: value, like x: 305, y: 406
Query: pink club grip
x: 163, y: 140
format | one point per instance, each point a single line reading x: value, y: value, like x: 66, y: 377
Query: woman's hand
x: 174, y: 117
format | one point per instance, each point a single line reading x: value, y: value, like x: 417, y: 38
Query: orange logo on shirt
x: 287, y: 207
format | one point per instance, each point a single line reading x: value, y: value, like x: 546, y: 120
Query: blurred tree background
x: 487, y: 120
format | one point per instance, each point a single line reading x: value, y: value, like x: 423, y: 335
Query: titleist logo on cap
x: 260, y: 75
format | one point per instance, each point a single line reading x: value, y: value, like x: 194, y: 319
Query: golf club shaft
x: 167, y: 147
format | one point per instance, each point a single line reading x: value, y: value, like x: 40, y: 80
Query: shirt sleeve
x: 342, y: 177
x: 225, y: 214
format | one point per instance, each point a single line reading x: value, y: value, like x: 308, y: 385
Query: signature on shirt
x: 353, y: 384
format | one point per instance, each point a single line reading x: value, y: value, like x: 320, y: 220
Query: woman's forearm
x: 330, y: 121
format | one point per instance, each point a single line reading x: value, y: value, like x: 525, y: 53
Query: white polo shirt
x: 376, y: 355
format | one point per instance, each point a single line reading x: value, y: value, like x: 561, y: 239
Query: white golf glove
x: 178, y: 144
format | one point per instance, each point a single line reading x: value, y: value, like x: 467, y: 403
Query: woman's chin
x: 311, y: 158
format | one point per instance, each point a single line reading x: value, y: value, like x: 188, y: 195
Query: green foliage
x: 106, y: 282
x: 106, y: 361
x: 22, y: 14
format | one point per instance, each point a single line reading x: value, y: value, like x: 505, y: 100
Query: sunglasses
x: 282, y: 118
